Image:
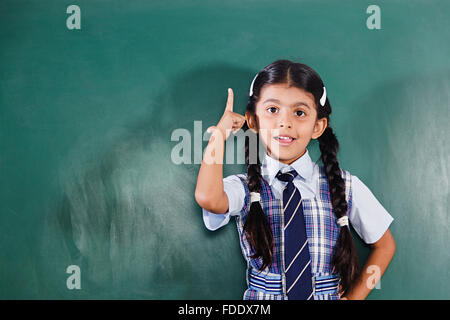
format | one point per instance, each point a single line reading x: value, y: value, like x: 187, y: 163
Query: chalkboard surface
x: 87, y: 177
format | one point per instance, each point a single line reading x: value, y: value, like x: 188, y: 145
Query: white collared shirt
x: 367, y: 216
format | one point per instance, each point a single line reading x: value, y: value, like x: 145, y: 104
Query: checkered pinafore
x: 322, y: 231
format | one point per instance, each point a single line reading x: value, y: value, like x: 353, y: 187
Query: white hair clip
x: 324, y: 97
x: 343, y: 221
x: 251, y: 86
x: 255, y: 197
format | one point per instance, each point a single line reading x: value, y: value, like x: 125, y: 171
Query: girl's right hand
x: 230, y: 120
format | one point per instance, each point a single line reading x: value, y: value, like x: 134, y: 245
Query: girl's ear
x: 251, y: 121
x: 319, y: 128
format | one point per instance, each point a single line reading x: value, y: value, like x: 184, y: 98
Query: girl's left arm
x: 380, y: 256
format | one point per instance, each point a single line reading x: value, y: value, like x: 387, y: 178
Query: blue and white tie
x: 296, y: 252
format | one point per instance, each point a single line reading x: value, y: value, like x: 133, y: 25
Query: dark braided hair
x: 256, y: 227
x: 258, y: 231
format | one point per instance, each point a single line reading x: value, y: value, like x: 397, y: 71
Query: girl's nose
x: 285, y: 121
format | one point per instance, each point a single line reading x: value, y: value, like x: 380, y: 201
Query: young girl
x: 293, y: 215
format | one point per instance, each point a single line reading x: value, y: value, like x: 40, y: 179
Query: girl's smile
x: 284, y: 140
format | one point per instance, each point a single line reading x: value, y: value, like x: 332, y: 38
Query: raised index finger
x: 229, y: 106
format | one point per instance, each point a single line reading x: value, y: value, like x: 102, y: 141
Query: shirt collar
x: 302, y: 165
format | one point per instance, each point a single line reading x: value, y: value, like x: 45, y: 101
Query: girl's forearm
x: 373, y: 270
x: 209, y: 192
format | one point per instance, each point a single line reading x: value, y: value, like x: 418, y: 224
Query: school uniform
x: 366, y: 215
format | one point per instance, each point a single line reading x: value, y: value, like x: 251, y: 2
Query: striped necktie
x: 296, y: 252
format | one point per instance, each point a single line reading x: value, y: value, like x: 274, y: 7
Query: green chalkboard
x: 87, y: 114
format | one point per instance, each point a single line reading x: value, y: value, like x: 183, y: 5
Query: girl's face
x: 285, y: 118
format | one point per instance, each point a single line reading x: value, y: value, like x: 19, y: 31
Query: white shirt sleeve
x: 235, y: 191
x: 367, y: 216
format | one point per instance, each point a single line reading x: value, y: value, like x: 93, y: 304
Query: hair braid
x: 345, y: 259
x: 259, y: 233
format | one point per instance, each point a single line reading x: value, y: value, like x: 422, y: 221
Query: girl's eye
x: 299, y: 113
x: 272, y: 109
